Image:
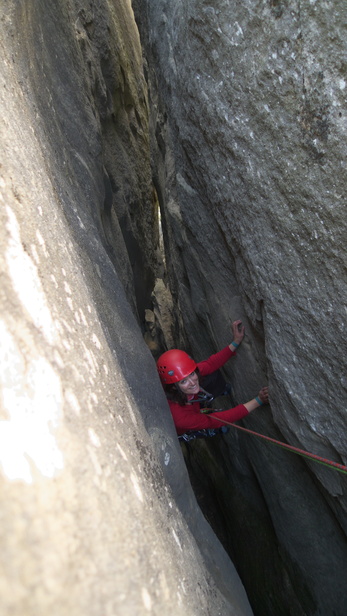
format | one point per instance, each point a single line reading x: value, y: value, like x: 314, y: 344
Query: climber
x: 180, y: 376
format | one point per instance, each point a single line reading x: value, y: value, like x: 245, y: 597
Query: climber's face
x: 189, y: 385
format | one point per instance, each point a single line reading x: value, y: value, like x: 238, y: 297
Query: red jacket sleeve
x: 216, y: 361
x: 189, y: 417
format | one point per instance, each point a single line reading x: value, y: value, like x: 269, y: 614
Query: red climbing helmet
x: 174, y: 365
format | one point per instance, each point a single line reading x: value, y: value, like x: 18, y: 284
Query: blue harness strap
x: 205, y: 433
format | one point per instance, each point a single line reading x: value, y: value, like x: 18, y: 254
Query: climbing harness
x: 204, y: 433
x: 301, y: 452
x: 204, y: 397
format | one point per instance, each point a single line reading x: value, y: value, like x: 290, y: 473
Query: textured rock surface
x: 97, y: 514
x: 248, y: 105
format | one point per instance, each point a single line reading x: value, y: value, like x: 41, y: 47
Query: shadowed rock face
x: 98, y: 516
x: 248, y: 107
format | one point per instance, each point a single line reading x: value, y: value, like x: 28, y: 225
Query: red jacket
x: 189, y: 417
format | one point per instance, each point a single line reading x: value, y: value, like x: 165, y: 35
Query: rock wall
x: 248, y: 119
x: 97, y: 514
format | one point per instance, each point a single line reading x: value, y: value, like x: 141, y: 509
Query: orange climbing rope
x: 301, y: 452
